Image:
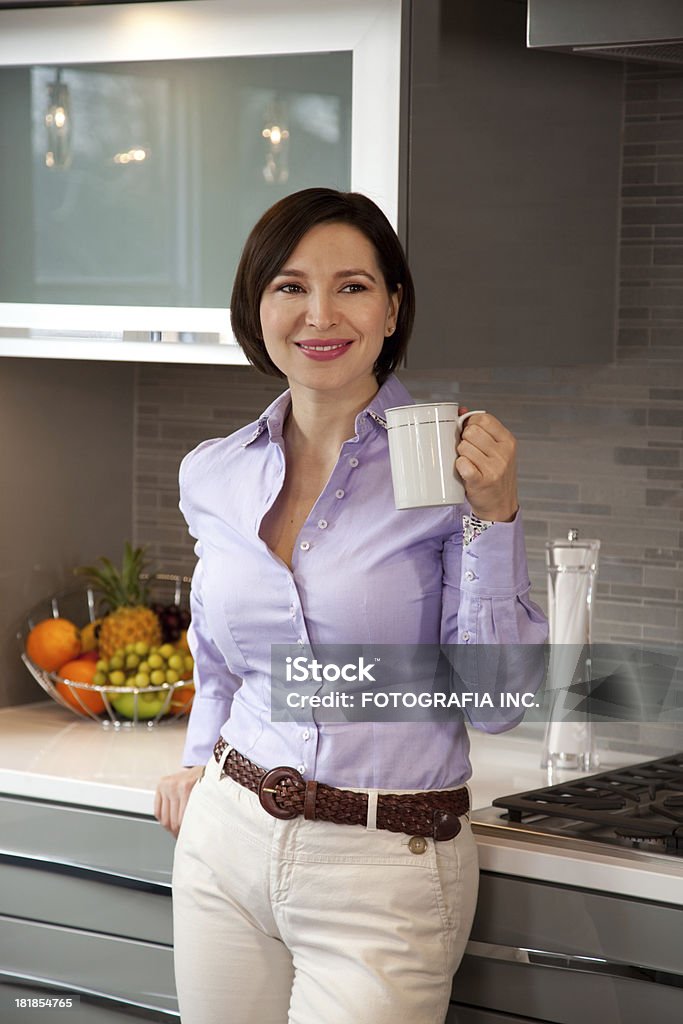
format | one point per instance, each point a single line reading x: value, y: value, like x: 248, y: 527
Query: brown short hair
x: 274, y: 238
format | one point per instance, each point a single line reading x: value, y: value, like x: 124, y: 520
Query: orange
x: 52, y: 642
x: 181, y: 701
x: 80, y: 670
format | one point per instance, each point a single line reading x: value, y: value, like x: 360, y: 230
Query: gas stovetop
x: 639, y: 808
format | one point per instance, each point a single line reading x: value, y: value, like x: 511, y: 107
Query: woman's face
x: 324, y: 317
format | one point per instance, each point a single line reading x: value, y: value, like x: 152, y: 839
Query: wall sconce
x: 276, y: 134
x: 58, y: 124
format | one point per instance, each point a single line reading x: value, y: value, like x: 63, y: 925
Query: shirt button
x: 466, y: 636
x: 339, y: 493
x: 353, y: 462
x: 322, y: 524
x: 469, y: 576
x: 304, y: 545
x: 300, y: 641
x: 306, y: 734
x: 417, y: 844
x: 301, y: 768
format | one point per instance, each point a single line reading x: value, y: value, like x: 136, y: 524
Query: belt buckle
x: 268, y: 788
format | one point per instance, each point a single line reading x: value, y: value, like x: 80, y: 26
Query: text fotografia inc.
x: 398, y: 699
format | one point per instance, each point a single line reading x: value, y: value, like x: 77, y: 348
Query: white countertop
x: 47, y: 753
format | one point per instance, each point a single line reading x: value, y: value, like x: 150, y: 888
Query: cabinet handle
x: 148, y: 1012
x: 571, y: 962
x: 84, y: 871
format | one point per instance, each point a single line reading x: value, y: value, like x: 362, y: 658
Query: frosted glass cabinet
x: 145, y: 142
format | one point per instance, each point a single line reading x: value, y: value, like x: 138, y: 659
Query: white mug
x: 422, y: 440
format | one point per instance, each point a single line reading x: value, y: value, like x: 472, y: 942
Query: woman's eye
x: 355, y: 287
x: 290, y: 289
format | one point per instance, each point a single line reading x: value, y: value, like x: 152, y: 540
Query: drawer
x: 564, y: 995
x: 132, y: 972
x: 535, y: 915
x: 120, y: 844
x: 88, y: 1010
x: 81, y: 898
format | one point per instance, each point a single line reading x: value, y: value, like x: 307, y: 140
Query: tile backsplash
x: 600, y: 448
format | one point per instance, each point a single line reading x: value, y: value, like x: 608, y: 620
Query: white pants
x: 309, y: 922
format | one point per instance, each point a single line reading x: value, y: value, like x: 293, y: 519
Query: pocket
x: 447, y: 878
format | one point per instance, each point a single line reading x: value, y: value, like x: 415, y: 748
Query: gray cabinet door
x: 133, y: 973
x: 122, y: 845
x: 513, y: 193
x: 85, y: 1009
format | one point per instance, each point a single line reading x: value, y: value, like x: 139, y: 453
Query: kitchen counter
x: 46, y: 753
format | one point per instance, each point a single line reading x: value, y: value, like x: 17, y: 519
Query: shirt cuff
x: 495, y: 562
x: 473, y: 527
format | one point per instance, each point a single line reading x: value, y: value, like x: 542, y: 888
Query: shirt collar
x: 391, y: 393
x: 273, y: 418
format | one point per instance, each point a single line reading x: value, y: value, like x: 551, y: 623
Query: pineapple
x: 124, y: 599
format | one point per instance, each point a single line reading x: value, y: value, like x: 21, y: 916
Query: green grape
x: 117, y: 678
x: 167, y: 651
x: 99, y: 679
x: 177, y: 662
x: 155, y: 661
x: 172, y: 676
x: 142, y: 648
x: 132, y: 660
x: 158, y: 677
x: 116, y: 662
x: 142, y: 680
x: 102, y: 665
x: 129, y: 649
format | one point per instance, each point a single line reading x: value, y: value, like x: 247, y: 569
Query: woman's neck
x: 320, y: 422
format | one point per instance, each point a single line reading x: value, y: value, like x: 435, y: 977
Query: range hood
x: 644, y: 30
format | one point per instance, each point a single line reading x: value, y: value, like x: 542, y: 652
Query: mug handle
x: 472, y: 412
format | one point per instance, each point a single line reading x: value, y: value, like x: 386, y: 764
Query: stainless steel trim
x: 572, y: 962
x: 85, y: 871
x: 96, y: 994
x: 525, y: 832
x: 620, y: 29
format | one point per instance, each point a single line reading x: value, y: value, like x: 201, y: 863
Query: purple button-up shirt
x: 362, y: 573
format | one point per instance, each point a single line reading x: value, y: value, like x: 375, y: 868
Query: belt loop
x: 372, y: 810
x: 224, y: 757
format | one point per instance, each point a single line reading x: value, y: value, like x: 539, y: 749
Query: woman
x: 283, y: 911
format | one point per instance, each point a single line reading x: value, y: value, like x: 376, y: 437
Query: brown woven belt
x: 284, y: 793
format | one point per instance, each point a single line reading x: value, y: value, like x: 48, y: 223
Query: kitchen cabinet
x: 513, y: 181
x: 86, y: 910
x: 147, y: 142
x: 566, y: 955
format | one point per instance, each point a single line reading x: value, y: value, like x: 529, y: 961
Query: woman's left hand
x: 486, y: 462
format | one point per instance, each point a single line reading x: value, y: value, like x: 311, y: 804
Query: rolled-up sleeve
x: 492, y: 631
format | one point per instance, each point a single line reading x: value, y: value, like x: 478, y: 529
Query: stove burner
x: 642, y: 804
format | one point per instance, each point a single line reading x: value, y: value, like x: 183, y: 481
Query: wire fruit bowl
x: 148, y: 705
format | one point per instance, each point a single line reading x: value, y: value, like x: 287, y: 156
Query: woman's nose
x: 321, y: 313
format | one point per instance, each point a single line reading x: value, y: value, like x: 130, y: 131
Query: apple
x: 148, y: 704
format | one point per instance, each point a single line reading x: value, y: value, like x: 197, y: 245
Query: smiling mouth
x: 323, y: 346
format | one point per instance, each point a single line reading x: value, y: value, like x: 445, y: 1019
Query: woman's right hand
x: 171, y: 796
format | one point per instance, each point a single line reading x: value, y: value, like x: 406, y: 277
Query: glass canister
x: 572, y: 570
